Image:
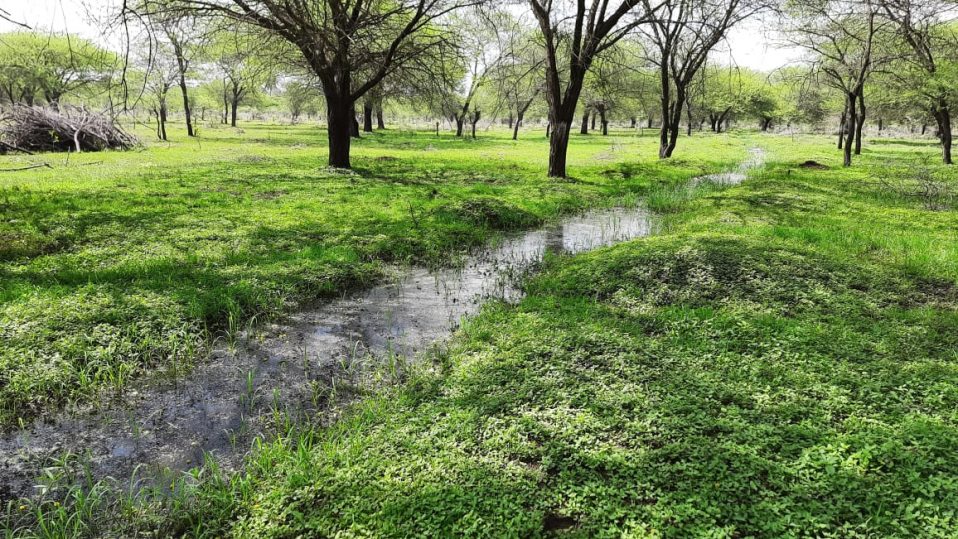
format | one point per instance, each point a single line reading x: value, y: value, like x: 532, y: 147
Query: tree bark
x: 859, y: 123
x: 380, y: 120
x: 942, y: 114
x: 515, y: 126
x: 842, y: 124
x: 234, y: 106
x: 475, y: 119
x: 558, y: 148
x: 340, y: 119
x: 459, y: 125
x: 367, y: 118
x: 604, y: 121
x: 851, y: 121
x: 584, y: 130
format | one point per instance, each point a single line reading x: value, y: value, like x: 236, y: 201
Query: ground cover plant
x: 118, y: 264
x: 780, y: 361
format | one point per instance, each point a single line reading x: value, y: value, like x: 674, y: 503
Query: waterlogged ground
x: 780, y: 359
x: 290, y: 368
x: 171, y: 421
x: 124, y: 265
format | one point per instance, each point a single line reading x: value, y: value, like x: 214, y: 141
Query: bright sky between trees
x: 749, y: 45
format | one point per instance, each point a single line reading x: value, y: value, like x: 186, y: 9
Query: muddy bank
x: 290, y: 368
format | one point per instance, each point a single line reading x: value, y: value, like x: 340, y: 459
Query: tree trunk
x: 633, y: 122
x: 648, y: 123
x: 942, y: 115
x: 475, y: 119
x: 380, y: 121
x: 593, y: 122
x: 859, y: 123
x: 881, y: 125
x: 842, y: 124
x: 850, y: 131
x: 604, y: 121
x: 688, y: 118
x: 186, y: 106
x: 515, y: 127
x: 340, y: 115
x: 585, y: 124
x: 459, y: 125
x: 234, y: 106
x: 558, y: 148
x: 511, y: 120
x: 367, y: 118
x: 162, y: 119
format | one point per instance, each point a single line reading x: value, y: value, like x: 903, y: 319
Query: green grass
x: 782, y: 361
x: 117, y: 264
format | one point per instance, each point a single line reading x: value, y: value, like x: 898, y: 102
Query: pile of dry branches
x: 39, y: 129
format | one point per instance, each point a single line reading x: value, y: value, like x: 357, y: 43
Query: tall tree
x: 340, y: 40
x: 573, y: 34
x: 245, y: 68
x: 844, y: 36
x: 934, y: 45
x: 681, y: 38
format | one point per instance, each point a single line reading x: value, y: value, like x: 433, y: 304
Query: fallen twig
x: 41, y: 165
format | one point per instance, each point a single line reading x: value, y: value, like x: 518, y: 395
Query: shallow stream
x: 291, y: 366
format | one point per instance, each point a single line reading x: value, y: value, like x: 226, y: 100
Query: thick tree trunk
x: 859, y: 123
x: 367, y: 118
x: 380, y: 120
x: 558, y: 148
x: 648, y: 123
x: 633, y: 122
x: 341, y: 118
x: 584, y: 130
x: 593, y: 122
x: 459, y: 125
x: 604, y: 121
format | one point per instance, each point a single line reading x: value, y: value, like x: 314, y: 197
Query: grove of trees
x: 557, y: 65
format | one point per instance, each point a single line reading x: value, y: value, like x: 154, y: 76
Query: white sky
x: 748, y: 45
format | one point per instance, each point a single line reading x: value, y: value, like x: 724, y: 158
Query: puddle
x: 290, y: 366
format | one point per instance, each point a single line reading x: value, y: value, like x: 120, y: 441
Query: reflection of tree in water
x: 555, y: 239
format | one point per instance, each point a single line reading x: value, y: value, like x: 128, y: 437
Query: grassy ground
x: 120, y: 263
x: 781, y: 362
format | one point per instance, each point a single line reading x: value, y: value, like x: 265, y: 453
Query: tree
x: 35, y: 66
x: 161, y: 75
x: 239, y: 57
x: 181, y: 32
x: 845, y: 37
x: 518, y: 76
x: 572, y: 36
x: 681, y: 38
x: 934, y: 48
x: 301, y: 97
x: 340, y: 40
